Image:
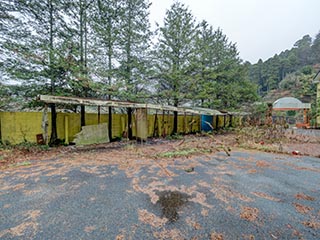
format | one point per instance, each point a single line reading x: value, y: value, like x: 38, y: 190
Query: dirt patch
x: 156, y: 149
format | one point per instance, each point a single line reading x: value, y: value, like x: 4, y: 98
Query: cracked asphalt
x: 249, y: 195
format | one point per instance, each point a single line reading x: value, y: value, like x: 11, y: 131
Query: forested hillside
x: 106, y: 49
x: 289, y: 73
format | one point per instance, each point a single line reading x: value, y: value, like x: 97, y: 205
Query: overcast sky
x: 261, y: 28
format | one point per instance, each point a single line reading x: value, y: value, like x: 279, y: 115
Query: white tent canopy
x: 290, y: 103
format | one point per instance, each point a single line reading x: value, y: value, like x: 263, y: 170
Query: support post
x: 45, y: 124
x: 66, y: 130
x: 141, y: 124
x: 217, y: 122
x: 99, y: 114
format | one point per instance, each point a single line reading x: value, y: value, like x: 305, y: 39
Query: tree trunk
x: 54, y: 136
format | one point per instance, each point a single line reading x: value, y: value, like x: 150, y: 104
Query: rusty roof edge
x: 112, y: 103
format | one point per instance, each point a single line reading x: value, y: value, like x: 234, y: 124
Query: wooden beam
x: 98, y: 102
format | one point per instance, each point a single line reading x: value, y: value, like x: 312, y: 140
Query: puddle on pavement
x: 170, y: 203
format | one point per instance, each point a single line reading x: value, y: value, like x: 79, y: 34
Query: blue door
x: 206, y: 123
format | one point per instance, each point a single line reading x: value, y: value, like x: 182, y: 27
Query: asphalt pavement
x: 249, y: 195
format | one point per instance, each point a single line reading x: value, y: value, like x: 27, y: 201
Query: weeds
x: 267, y: 138
x: 31, y: 147
x: 24, y: 146
x: 261, y: 134
x: 174, y: 137
x: 20, y: 164
x: 181, y: 153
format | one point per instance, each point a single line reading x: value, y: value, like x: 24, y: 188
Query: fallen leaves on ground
x: 302, y: 208
x: 265, y: 196
x: 151, y: 219
x: 30, y: 223
x: 302, y: 196
x: 248, y: 213
x: 312, y: 224
x: 216, y: 236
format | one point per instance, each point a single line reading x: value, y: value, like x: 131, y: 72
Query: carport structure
x: 141, y: 110
x: 293, y: 104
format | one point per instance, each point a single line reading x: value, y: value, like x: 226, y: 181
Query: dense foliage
x: 288, y: 70
x: 106, y: 49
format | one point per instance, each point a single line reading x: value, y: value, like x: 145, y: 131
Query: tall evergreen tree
x: 315, y: 49
x: 34, y: 47
x: 107, y: 27
x: 134, y: 42
x: 175, y: 54
x: 80, y: 12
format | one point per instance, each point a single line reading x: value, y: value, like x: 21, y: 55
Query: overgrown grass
x: 262, y: 138
x: 19, y: 164
x: 258, y: 134
x: 174, y: 137
x: 24, y: 146
x: 182, y: 153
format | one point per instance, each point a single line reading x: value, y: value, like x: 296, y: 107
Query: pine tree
x: 175, y: 53
x: 80, y: 13
x: 33, y: 48
x: 220, y: 74
x: 134, y: 42
x: 106, y: 26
